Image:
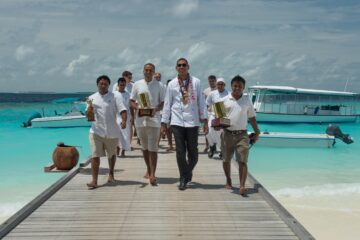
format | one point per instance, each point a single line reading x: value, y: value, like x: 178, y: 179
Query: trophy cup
x: 145, y: 109
x: 90, y: 110
x: 220, y: 116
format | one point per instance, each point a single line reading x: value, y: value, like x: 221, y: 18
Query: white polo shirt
x: 106, y: 107
x: 188, y: 115
x: 214, y: 97
x: 156, y: 93
x: 239, y: 111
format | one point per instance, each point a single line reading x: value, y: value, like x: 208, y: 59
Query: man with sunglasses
x: 215, y: 96
x: 185, y: 105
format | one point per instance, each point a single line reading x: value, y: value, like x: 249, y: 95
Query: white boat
x: 298, y: 105
x: 285, y: 139
x: 74, y: 118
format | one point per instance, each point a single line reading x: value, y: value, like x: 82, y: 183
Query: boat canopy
x: 301, y: 90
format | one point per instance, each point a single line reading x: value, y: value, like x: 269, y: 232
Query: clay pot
x: 65, y: 157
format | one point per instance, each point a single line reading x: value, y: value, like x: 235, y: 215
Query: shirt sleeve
x: 209, y: 101
x: 166, y: 113
x: 201, y: 102
x: 162, y: 92
x: 133, y: 94
x: 119, y: 103
x: 251, y: 110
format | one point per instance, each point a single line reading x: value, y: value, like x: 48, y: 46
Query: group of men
x: 185, y: 108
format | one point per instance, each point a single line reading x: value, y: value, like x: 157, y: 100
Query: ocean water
x: 305, y: 178
x: 25, y: 151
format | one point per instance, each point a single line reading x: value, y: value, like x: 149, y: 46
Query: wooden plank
x: 130, y: 208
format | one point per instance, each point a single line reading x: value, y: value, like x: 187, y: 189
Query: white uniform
x: 215, y: 96
x: 124, y: 136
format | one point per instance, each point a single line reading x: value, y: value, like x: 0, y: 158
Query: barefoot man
x: 148, y: 127
x: 235, y: 139
x: 104, y: 131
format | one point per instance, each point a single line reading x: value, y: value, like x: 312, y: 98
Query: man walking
x: 185, y: 105
x: 206, y: 92
x: 215, y: 96
x: 104, y: 130
x: 148, y: 127
x: 235, y: 139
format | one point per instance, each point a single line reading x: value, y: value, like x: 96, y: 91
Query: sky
x: 64, y: 45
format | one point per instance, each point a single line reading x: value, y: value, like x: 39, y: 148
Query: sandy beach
x: 327, y: 217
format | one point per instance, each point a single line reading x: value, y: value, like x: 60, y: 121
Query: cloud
x: 23, y: 52
x: 185, y: 7
x: 197, y: 50
x: 292, y: 64
x: 69, y: 70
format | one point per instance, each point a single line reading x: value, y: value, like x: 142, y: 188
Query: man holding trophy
x: 147, y: 99
x: 215, y: 104
x: 102, y: 110
x: 185, y: 105
x: 235, y: 139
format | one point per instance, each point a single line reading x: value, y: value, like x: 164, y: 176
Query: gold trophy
x: 90, y: 110
x: 145, y: 109
x: 221, y: 119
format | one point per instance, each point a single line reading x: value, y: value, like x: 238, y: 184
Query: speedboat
x: 288, y: 139
x: 281, y: 104
x: 74, y: 118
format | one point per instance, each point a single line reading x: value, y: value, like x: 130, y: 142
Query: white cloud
x: 292, y: 64
x: 197, y: 50
x: 185, y: 8
x: 23, y: 52
x: 69, y: 70
x: 252, y: 72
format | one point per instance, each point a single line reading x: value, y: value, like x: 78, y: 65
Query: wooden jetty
x: 131, y: 208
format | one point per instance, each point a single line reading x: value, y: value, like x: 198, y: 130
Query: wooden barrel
x: 65, y: 157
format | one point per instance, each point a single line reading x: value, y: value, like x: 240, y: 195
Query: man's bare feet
x: 243, y: 191
x: 111, y: 178
x: 146, y: 176
x: 92, y: 185
x: 153, y: 181
x: 228, y: 185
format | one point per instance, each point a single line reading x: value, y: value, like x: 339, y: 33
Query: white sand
x: 327, y: 217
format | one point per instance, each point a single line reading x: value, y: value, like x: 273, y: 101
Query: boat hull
x: 278, y: 139
x: 60, y: 122
x: 303, y: 118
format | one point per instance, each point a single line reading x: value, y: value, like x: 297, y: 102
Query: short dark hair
x: 121, y: 80
x: 150, y: 64
x: 101, y: 78
x: 126, y: 73
x: 183, y: 59
x: 238, y: 78
x: 212, y: 77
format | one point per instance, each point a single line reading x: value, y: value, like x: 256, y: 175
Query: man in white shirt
x: 104, y: 130
x: 206, y: 92
x: 235, y: 139
x: 148, y: 127
x: 185, y: 105
x: 124, y: 136
x: 215, y: 96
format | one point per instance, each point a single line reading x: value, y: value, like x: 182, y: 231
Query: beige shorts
x: 100, y: 145
x: 237, y: 144
x: 149, y: 138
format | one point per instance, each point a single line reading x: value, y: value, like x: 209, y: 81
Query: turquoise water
x: 284, y: 171
x: 25, y: 151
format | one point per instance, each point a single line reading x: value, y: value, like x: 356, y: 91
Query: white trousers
x: 213, y: 136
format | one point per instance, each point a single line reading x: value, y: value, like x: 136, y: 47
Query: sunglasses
x: 182, y: 65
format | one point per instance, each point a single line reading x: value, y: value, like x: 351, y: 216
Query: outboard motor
x: 28, y: 122
x: 334, y: 130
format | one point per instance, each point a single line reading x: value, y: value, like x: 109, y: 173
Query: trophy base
x: 220, y: 122
x: 146, y: 112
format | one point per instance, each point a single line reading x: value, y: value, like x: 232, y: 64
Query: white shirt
x: 156, y: 93
x: 238, y: 111
x: 214, y: 97
x: 207, y: 91
x: 188, y: 115
x: 125, y: 99
x: 106, y: 107
x: 128, y: 87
